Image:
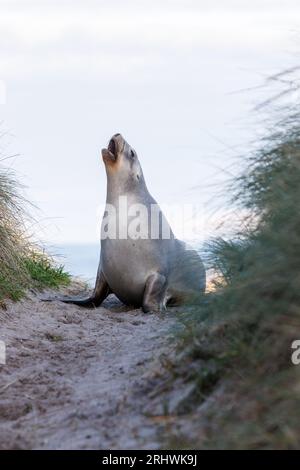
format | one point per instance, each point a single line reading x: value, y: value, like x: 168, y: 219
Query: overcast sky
x: 166, y: 74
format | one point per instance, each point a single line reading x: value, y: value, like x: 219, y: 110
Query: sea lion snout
x: 115, y: 146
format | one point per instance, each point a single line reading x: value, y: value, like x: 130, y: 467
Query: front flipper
x: 100, y: 293
x: 154, y: 294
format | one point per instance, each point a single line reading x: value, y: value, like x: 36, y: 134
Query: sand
x: 81, y: 379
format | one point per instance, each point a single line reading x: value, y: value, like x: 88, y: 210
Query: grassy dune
x: 240, y: 339
x: 22, y: 264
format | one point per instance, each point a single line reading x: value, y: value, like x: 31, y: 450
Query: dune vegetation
x: 240, y: 340
x: 22, y: 264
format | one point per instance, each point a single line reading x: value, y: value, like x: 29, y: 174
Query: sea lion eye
x: 132, y: 153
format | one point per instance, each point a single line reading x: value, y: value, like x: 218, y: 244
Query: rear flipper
x: 100, y: 293
x: 154, y: 294
x: 89, y: 302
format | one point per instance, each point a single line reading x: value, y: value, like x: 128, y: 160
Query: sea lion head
x: 121, y: 160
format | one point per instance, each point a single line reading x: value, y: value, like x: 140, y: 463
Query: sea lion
x: 142, y: 268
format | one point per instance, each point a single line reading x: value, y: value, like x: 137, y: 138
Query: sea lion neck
x: 117, y: 187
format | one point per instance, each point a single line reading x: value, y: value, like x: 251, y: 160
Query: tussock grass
x: 13, y: 275
x: 22, y: 265
x: 241, y: 336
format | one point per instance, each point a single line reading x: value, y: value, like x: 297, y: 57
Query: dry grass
x: 21, y: 263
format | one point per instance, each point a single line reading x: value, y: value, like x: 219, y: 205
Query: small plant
x: 53, y: 337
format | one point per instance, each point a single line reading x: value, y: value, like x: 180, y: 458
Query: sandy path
x: 77, y: 379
